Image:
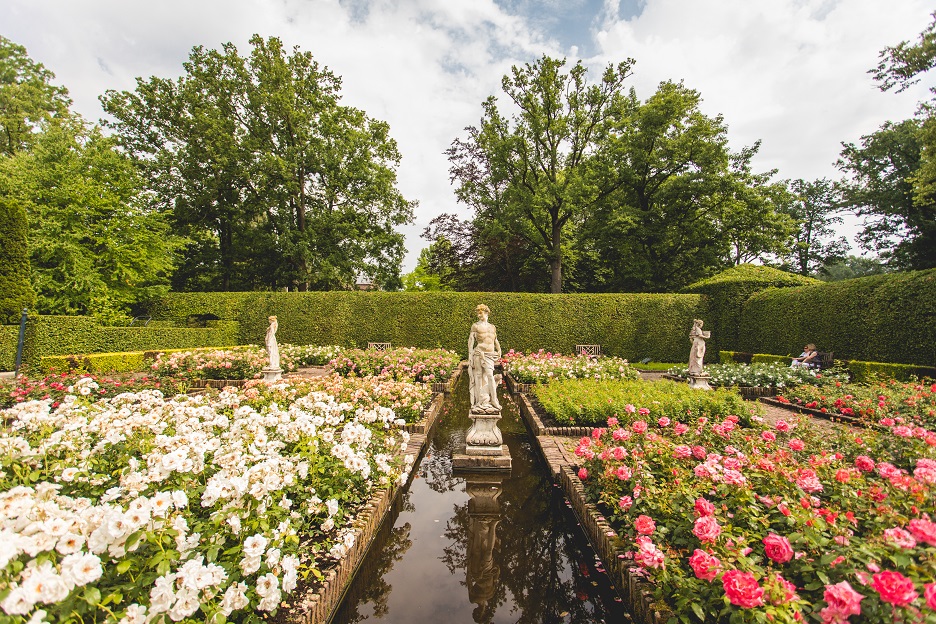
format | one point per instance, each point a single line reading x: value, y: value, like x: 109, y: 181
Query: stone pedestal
x: 699, y: 381
x: 484, y: 444
x: 484, y: 514
x: 271, y: 374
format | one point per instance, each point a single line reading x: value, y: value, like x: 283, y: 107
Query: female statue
x: 271, y: 347
x: 697, y: 350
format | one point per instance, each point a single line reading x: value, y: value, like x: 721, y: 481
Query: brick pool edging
x: 320, y: 605
x: 634, y: 589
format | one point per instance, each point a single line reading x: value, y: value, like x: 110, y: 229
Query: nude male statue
x: 483, y: 353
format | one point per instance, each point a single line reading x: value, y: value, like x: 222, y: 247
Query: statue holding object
x: 483, y: 353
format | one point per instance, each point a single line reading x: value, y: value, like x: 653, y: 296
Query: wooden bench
x: 379, y: 346
x: 824, y: 360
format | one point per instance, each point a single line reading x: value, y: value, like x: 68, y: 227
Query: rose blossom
x: 648, y: 555
x: 782, y: 425
x: 680, y: 428
x: 582, y: 473
x: 639, y: 426
x: 929, y: 592
x: 842, y: 602
x: 778, y: 548
x: 742, y: 589
x: 705, y: 565
x: 704, y: 507
x: 706, y: 529
x: 664, y: 421
x: 899, y: 537
x: 682, y: 451
x: 894, y: 587
x: 623, y: 473
x: 625, y: 502
x: 769, y: 436
x: 644, y: 525
x: 796, y: 444
x: 864, y: 463
x: 924, y: 530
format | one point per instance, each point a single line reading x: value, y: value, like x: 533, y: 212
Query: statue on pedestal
x: 483, y: 353
x: 273, y: 371
x: 697, y: 377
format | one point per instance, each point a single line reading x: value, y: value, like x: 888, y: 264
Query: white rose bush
x: 141, y: 508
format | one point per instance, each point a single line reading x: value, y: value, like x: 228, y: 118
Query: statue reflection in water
x: 484, y: 514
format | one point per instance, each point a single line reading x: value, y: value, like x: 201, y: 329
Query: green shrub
x: 881, y: 318
x: 764, y: 358
x: 734, y: 357
x: 867, y: 372
x: 727, y: 292
x: 632, y: 326
x: 126, y: 362
x: 591, y: 402
x: 16, y: 292
x: 9, y: 335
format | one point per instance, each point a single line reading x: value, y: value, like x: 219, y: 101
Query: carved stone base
x: 271, y: 374
x: 483, y: 431
x: 699, y: 381
x: 463, y: 462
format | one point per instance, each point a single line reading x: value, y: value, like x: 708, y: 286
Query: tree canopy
x: 273, y: 180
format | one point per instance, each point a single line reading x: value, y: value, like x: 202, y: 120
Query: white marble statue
x: 697, y: 351
x: 272, y: 348
x: 483, y: 353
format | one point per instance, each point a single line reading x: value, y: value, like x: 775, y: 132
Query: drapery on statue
x: 272, y: 348
x: 483, y: 353
x: 697, y: 350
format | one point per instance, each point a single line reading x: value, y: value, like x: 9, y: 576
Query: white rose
x: 82, y: 569
x: 255, y: 545
x: 235, y: 598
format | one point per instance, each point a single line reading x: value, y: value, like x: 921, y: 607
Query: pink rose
x: 682, y: 452
x: 842, y: 602
x: 742, y: 589
x: 782, y: 425
x: 648, y: 555
x: 621, y: 434
x: 625, y: 502
x: 639, y: 426
x: 923, y: 530
x: 630, y: 409
x: 894, y: 587
x: 706, y: 529
x: 864, y: 463
x: 929, y: 592
x: 664, y: 422
x: 582, y: 473
x: 899, y: 537
x: 769, y: 436
x: 644, y: 525
x: 796, y: 444
x: 623, y: 473
x: 619, y: 453
x: 705, y: 565
x: 778, y: 548
x: 807, y: 480
x: 643, y: 411
x: 680, y: 428
x: 704, y: 507
x: 925, y: 473
x: 699, y: 452
x: 612, y: 422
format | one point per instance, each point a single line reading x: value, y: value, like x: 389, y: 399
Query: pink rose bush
x: 403, y: 364
x: 543, y: 367
x: 237, y: 362
x: 138, y: 507
x: 798, y: 525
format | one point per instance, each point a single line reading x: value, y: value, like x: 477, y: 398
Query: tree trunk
x: 555, y: 263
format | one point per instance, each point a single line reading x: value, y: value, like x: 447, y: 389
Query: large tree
x: 27, y: 97
x: 277, y: 183
x: 531, y: 173
x: 95, y: 247
x: 683, y: 205
x: 816, y: 207
x: 899, y: 223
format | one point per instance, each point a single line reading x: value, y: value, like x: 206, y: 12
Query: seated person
x: 809, y: 357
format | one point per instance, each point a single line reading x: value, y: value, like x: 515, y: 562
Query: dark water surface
x: 518, y: 540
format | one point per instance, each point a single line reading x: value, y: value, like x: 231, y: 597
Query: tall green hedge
x: 627, y: 325
x: 67, y: 335
x: 726, y: 294
x: 16, y: 292
x: 882, y: 318
x: 9, y: 334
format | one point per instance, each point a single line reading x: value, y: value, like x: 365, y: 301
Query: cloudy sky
x: 791, y: 73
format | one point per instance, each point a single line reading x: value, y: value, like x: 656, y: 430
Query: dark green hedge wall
x: 627, y: 325
x: 9, y: 334
x: 726, y: 294
x: 67, y: 335
x: 882, y: 318
x: 16, y: 292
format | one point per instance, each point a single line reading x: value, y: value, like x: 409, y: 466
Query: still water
x: 480, y: 548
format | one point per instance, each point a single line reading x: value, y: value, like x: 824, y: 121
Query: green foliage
x: 94, y: 248
x: 132, y: 361
x: 16, y: 292
x: 632, y: 326
x: 850, y: 267
x: 885, y: 318
x: 815, y: 207
x: 866, y: 372
x: 734, y: 357
x: 592, y: 402
x: 726, y: 294
x: 9, y: 335
x: 27, y: 97
x: 70, y: 335
x: 274, y: 182
x: 764, y: 358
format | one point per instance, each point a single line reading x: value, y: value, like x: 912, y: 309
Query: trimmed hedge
x: 727, y: 292
x: 9, y: 334
x: 863, y: 372
x: 69, y: 335
x: 633, y: 326
x: 125, y: 362
x: 16, y: 292
x: 881, y: 318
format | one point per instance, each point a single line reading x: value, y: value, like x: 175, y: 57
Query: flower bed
x: 890, y: 403
x: 142, y: 508
x: 776, y: 524
x: 406, y: 364
x: 762, y: 375
x: 579, y: 402
x: 407, y: 400
x: 57, y: 386
x: 544, y: 367
x: 237, y: 363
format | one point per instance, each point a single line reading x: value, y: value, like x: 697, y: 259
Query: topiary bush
x: 16, y: 292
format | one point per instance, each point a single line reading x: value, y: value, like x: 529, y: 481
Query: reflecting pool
x: 486, y: 547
